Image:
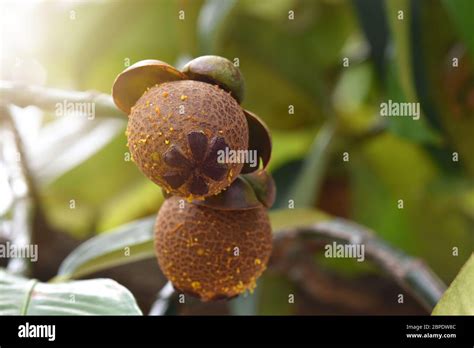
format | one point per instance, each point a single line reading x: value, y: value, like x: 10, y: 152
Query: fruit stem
x: 163, y: 304
x: 410, y: 273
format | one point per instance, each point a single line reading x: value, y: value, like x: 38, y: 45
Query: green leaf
x: 56, y: 151
x: 401, y: 80
x: 419, y: 130
x: 379, y: 178
x: 459, y: 299
x: 290, y: 218
x: 212, y: 20
x: 128, y: 243
x: 401, y: 36
x: 448, y: 86
x: 21, y: 296
x: 140, y: 199
x: 306, y: 187
x: 93, y: 186
x: 461, y: 13
x: 136, y: 240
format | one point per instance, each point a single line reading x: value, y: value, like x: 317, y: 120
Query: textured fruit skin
x: 166, y: 119
x: 195, y: 247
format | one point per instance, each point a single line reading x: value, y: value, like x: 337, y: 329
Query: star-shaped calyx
x: 203, y: 163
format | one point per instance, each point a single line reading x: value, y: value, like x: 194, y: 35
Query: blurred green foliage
x: 293, y: 62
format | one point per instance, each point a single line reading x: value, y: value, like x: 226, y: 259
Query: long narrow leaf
x: 129, y: 243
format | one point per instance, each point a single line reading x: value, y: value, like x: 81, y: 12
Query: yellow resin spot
x: 200, y: 252
x: 239, y: 287
x: 231, y: 174
x: 184, y: 97
x: 160, y: 134
x: 167, y: 141
x: 157, y: 110
x: 171, y: 129
x: 196, y: 285
x: 165, y: 94
x: 258, y: 261
x: 155, y: 156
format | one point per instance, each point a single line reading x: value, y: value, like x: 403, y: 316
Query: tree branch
x: 49, y: 98
x: 20, y: 182
x: 410, y: 273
